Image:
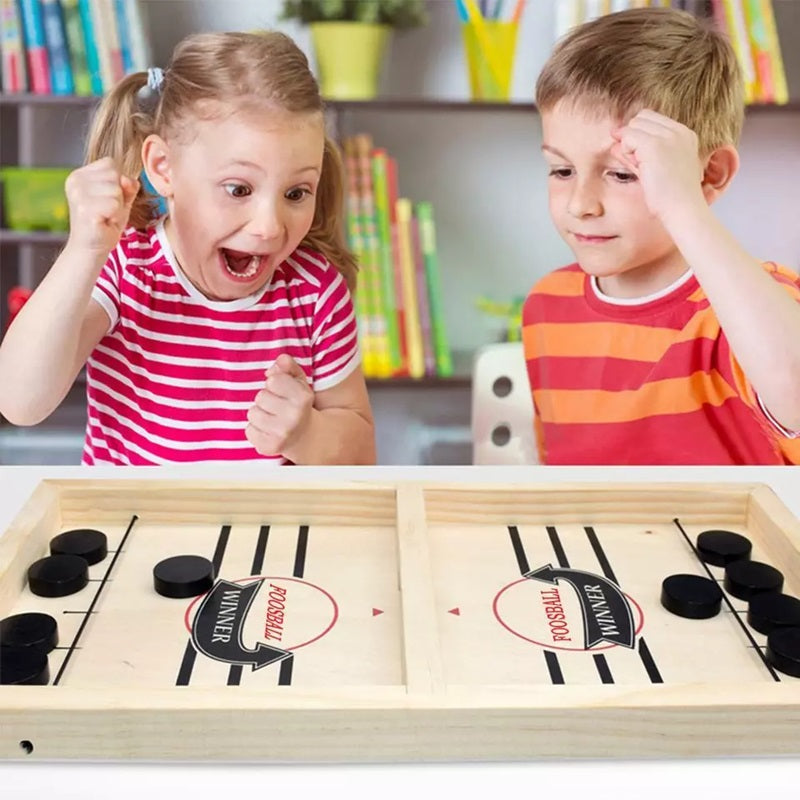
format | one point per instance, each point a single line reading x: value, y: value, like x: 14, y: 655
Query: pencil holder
x: 490, y: 46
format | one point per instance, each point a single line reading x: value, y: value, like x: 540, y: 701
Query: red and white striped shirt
x: 174, y: 377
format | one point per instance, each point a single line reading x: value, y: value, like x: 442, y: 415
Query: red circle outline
x: 250, y: 578
x: 552, y: 646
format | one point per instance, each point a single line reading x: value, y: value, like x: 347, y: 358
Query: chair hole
x: 501, y: 435
x: 502, y: 386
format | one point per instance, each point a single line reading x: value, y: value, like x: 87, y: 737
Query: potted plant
x: 349, y: 39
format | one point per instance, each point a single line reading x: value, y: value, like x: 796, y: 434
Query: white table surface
x: 704, y: 779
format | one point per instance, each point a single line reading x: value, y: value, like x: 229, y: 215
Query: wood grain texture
x: 416, y: 667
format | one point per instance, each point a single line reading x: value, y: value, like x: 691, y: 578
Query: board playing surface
x: 397, y: 621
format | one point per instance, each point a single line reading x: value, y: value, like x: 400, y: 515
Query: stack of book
x: 70, y: 47
x: 750, y: 25
x: 399, y: 297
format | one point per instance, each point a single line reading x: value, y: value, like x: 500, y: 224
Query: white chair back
x: 502, y: 408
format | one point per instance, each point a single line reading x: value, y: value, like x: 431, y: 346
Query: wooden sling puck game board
x: 398, y: 621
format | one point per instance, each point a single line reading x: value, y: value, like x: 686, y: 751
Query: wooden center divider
x: 399, y: 620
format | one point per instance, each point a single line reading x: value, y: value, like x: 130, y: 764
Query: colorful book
x: 357, y: 244
x: 76, y: 46
x: 102, y: 42
x: 12, y: 48
x: 90, y: 42
x: 383, y: 228
x: 372, y: 254
x: 427, y: 235
x: 37, y: 59
x: 139, y: 42
x: 413, y: 328
x: 399, y: 297
x: 110, y: 33
x: 422, y: 300
x: 732, y: 13
x: 124, y: 35
x: 56, y: 38
x: 779, y: 85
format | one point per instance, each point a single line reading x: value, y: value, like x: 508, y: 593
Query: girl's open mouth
x: 242, y: 266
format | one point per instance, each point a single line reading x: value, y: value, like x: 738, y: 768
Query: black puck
x: 84, y: 542
x: 722, y: 547
x: 38, y: 631
x: 691, y: 596
x: 783, y: 650
x: 745, y: 579
x: 23, y: 665
x: 770, y: 610
x: 58, y: 576
x: 183, y: 576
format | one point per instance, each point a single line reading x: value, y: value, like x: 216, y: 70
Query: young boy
x: 665, y: 343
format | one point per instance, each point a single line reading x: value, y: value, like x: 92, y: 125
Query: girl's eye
x: 623, y: 177
x: 237, y: 189
x: 560, y: 172
x: 295, y: 195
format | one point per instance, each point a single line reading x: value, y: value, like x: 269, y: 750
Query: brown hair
x: 658, y: 58
x: 248, y: 70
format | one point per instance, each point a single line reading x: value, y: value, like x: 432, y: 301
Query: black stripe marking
x: 649, y: 663
x: 261, y: 548
x: 74, y: 645
x: 519, y: 550
x: 728, y: 603
x: 285, y: 677
x: 644, y: 651
x: 603, y: 669
x: 300, y: 555
x: 219, y: 551
x: 187, y: 665
x: 561, y: 556
x: 600, y: 554
x: 553, y: 667
x: 235, y: 672
x: 190, y: 654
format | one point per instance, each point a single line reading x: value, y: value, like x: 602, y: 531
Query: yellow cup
x: 490, y: 46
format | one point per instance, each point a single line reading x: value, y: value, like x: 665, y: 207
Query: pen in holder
x: 490, y: 46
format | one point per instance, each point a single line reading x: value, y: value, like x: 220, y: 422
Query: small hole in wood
x: 502, y: 386
x: 501, y: 435
x: 26, y: 746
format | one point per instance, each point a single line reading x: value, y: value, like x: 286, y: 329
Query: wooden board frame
x: 423, y: 719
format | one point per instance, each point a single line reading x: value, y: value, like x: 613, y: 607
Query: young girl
x: 224, y: 330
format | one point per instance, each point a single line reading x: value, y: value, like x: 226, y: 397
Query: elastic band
x: 155, y: 78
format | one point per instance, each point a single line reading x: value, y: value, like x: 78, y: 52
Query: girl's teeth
x: 251, y: 270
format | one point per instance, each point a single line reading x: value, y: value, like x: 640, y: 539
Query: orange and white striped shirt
x: 648, y: 381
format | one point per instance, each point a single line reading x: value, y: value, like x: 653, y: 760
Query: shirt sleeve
x: 106, y: 289
x: 334, y: 339
x: 790, y: 282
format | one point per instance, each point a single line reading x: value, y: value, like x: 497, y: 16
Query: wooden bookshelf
x: 51, y: 238
x: 401, y: 104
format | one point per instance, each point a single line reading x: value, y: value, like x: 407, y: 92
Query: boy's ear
x: 720, y: 169
x: 155, y: 157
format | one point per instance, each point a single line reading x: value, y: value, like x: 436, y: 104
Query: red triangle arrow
x: 376, y: 611
x: 455, y: 611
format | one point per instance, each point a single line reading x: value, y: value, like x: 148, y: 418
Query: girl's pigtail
x: 122, y: 122
x: 327, y: 230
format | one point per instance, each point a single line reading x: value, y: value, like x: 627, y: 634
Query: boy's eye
x: 237, y: 189
x: 623, y: 177
x: 297, y: 194
x: 560, y: 172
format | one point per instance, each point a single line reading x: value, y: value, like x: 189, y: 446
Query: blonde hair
x: 243, y: 70
x: 658, y: 58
